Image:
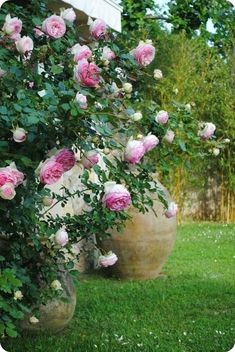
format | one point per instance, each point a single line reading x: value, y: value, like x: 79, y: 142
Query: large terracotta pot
x: 56, y: 314
x: 144, y: 245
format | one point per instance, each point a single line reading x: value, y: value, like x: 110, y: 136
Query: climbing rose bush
x: 72, y: 109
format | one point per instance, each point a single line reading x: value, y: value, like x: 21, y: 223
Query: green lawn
x: 190, y: 309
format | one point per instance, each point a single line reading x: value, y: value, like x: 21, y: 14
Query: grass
x: 191, y: 309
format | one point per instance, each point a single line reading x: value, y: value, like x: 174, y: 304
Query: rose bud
x: 162, y: 117
x: 108, y: 259
x: 68, y: 14
x: 61, y: 237
x: 47, y: 201
x: 81, y: 100
x: 90, y: 159
x: 137, y: 116
x: 172, y: 210
x: 207, y: 130
x: 19, y: 135
x: 169, y: 136
x: 127, y: 87
x: 157, y: 74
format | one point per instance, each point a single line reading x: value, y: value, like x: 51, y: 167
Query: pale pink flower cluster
x: 108, y: 259
x: 81, y: 52
x: 98, y: 29
x: 68, y: 14
x: 144, y: 53
x: 108, y: 54
x: 53, y: 168
x: 116, y: 196
x: 10, y: 178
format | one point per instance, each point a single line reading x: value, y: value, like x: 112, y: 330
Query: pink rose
x: 108, y: 54
x: 12, y: 27
x: 68, y: 14
x: 150, y: 142
x: 6, y: 176
x: 207, y: 131
x: 87, y: 74
x: 54, y: 26
x: 90, y: 159
x: 19, y: 176
x: 81, y: 52
x: 134, y: 151
x: 144, y: 53
x: 2, y: 73
x: 25, y: 46
x: 38, y: 32
x: 172, y: 210
x: 98, y: 29
x: 169, y: 136
x: 19, y: 135
x: 107, y: 260
x: 81, y: 100
x: 66, y: 158
x: 51, y: 171
x: 11, y: 175
x: 61, y: 237
x: 116, y: 197
x: 162, y: 117
x: 7, y: 191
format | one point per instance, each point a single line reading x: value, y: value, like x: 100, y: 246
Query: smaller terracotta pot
x: 56, y: 314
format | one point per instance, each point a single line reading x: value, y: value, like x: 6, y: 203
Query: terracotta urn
x: 144, y: 245
x: 57, y: 313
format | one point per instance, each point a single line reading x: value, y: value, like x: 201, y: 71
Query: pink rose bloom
x: 150, y: 142
x: 6, y: 176
x: 54, y: 26
x: 2, y: 73
x: 82, y: 52
x: 12, y: 27
x: 90, y: 159
x: 19, y: 135
x: 116, y: 197
x: 81, y: 100
x: 7, y: 191
x: 19, y: 176
x: 66, y: 158
x: 87, y: 74
x: 98, y: 29
x: 107, y: 260
x: 68, y: 14
x: 24, y: 45
x: 144, y: 54
x: 162, y: 117
x: 51, y: 171
x: 61, y: 237
x: 38, y: 32
x: 169, y: 136
x: 134, y: 151
x: 108, y: 54
x: 207, y: 131
x: 172, y: 210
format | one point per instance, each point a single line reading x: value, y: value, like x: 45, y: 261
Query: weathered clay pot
x: 144, y: 245
x: 56, y: 314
